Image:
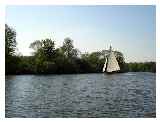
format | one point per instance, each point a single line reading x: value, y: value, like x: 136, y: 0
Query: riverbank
x: 67, y: 73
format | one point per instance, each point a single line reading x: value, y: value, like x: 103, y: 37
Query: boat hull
x: 114, y: 72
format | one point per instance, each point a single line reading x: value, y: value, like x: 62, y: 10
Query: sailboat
x: 111, y: 64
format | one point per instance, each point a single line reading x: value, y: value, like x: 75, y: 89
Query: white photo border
x: 4, y: 3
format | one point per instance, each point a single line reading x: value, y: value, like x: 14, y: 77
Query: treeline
x: 143, y: 67
x: 47, y: 59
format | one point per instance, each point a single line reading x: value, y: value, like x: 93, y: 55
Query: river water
x: 81, y: 95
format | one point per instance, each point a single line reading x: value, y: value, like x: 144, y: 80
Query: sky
x: 129, y: 29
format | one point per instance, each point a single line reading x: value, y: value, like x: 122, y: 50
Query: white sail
x: 104, y: 67
x: 112, y: 64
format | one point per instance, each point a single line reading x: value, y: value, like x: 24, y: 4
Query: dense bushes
x: 27, y: 65
x: 143, y: 67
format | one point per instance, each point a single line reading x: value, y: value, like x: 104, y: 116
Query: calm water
x: 82, y: 95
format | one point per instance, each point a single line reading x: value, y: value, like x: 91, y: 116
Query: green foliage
x: 48, y: 48
x: 43, y: 48
x: 10, y: 41
x: 10, y: 47
x: 25, y: 65
x: 143, y: 67
x: 95, y: 61
x: 68, y: 48
x: 47, y: 59
x: 43, y: 55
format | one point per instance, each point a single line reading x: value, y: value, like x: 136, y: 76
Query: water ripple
x: 84, y: 95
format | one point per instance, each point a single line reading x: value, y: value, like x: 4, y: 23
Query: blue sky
x: 131, y: 29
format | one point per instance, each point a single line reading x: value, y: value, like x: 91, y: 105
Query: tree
x: 142, y: 67
x: 94, y: 61
x: 12, y: 62
x: 44, y: 54
x: 44, y: 47
x: 36, y: 45
x: 48, y: 47
x: 68, y: 48
x: 10, y: 41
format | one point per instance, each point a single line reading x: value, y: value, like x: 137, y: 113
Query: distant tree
x: 36, y: 45
x: 48, y: 47
x: 10, y: 41
x: 94, y: 61
x: 44, y: 52
x: 69, y: 49
x: 11, y: 61
x: 141, y: 67
x: 45, y: 47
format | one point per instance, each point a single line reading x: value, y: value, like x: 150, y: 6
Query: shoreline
x: 74, y: 73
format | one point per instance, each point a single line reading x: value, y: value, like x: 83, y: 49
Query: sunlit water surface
x: 81, y: 95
